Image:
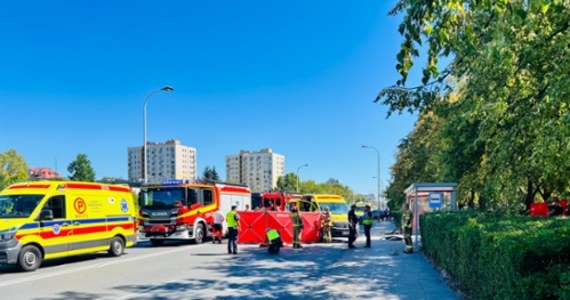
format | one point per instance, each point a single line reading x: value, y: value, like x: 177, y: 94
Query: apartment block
x: 166, y: 161
x: 258, y: 170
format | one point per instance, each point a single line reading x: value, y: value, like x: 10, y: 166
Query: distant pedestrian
x: 297, y: 226
x: 232, y: 219
x: 367, y: 220
x: 352, y: 226
x: 407, y: 217
x: 385, y: 214
x: 247, y: 207
x: 326, y: 223
x: 217, y: 227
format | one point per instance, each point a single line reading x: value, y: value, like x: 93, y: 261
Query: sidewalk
x: 385, y: 272
x: 324, y: 271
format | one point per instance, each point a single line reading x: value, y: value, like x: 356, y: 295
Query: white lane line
x: 95, y: 266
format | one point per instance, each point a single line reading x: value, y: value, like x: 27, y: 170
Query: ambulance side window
x: 208, y: 197
x: 57, y: 205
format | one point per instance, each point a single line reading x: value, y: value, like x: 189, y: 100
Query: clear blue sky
x: 299, y: 77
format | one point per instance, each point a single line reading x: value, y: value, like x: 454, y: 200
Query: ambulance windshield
x: 18, y: 206
x: 162, y: 197
x: 335, y: 208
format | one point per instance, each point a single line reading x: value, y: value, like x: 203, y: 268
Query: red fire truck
x: 181, y: 210
x: 272, y: 200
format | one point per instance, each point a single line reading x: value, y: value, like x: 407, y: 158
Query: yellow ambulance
x: 52, y: 219
x: 337, y: 206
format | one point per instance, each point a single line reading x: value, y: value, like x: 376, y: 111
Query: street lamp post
x: 165, y: 89
x: 378, y: 177
x: 305, y: 165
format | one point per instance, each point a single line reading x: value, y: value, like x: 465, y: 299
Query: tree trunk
x: 482, y: 203
x: 471, y: 202
x: 529, y: 194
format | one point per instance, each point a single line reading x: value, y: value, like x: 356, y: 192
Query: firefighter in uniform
x: 407, y: 226
x: 297, y: 226
x: 367, y: 220
x: 274, y: 241
x: 326, y: 223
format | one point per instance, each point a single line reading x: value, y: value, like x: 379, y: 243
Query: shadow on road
x: 316, y: 272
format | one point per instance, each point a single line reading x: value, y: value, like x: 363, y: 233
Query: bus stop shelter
x: 427, y: 197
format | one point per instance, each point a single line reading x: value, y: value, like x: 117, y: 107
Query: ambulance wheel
x: 117, y: 246
x: 199, y: 238
x: 156, y: 242
x: 30, y: 258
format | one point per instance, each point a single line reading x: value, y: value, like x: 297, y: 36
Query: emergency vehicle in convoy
x: 55, y: 219
x: 184, y: 210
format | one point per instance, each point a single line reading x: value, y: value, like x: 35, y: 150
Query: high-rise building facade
x: 166, y: 161
x: 258, y: 170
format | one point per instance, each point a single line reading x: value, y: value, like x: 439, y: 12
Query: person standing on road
x: 407, y: 217
x: 367, y: 220
x: 297, y: 226
x: 326, y: 221
x: 352, y: 226
x: 217, y: 227
x: 232, y: 219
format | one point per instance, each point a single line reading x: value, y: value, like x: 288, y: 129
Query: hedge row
x: 501, y: 257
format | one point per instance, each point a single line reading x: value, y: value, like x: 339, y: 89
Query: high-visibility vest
x: 231, y: 218
x: 367, y: 219
x: 272, y: 235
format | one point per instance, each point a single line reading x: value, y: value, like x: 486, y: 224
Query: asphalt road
x: 206, y: 271
x: 173, y: 271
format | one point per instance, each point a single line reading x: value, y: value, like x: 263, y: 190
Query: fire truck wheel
x: 30, y: 258
x: 117, y: 246
x: 199, y: 238
x: 157, y: 242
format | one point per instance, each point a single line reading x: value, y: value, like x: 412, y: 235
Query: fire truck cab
x: 272, y: 201
x: 180, y: 210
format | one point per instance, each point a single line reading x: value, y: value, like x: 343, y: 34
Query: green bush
x: 397, y: 217
x: 501, y: 257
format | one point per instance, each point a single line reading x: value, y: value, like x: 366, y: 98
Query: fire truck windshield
x: 165, y: 197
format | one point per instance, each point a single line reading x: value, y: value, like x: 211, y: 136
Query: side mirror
x: 46, y: 214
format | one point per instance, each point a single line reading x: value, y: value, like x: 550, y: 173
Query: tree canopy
x: 500, y: 101
x: 13, y: 168
x: 211, y: 173
x: 288, y: 183
x: 80, y: 169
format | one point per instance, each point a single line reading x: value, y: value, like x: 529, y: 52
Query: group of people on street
x: 232, y: 220
x: 367, y: 219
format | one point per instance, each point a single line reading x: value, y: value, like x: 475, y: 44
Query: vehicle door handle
x: 75, y: 223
